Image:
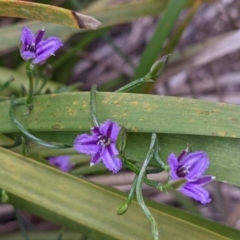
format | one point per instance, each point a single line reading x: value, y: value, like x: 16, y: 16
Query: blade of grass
x: 163, y: 29
x: 175, y: 38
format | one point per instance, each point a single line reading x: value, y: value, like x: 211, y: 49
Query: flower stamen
x: 31, y: 47
x: 182, y: 171
x: 191, y: 167
x: 103, y: 140
x: 101, y: 145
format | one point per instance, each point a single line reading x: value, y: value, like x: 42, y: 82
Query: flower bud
x: 123, y: 208
x: 4, y: 196
x: 158, y: 66
x: 122, y: 140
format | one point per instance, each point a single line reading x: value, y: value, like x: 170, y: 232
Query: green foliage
x: 163, y: 29
x: 91, y: 209
x: 29, y: 183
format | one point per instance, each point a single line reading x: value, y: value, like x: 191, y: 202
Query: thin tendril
x: 132, y: 190
x: 139, y: 187
x: 93, y: 105
x: 28, y: 134
x: 136, y: 170
x: 132, y: 85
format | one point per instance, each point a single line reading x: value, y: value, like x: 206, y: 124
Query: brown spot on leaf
x: 116, y: 103
x: 234, y: 119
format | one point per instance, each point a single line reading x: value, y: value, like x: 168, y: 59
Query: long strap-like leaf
x: 137, y: 112
x: 91, y: 209
x: 47, y: 13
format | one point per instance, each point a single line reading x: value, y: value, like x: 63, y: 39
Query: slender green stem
x: 44, y: 82
x: 136, y: 170
x: 131, y: 166
x: 121, y: 142
x: 139, y: 188
x: 124, y: 206
x: 35, y: 73
x: 132, y: 85
x: 29, y: 71
x: 155, y: 70
x: 93, y: 105
x: 25, y: 147
x: 157, y: 158
x: 6, y: 84
x: 154, y: 170
x: 21, y: 224
x: 28, y: 134
x: 132, y: 190
x: 47, y: 73
x: 60, y: 234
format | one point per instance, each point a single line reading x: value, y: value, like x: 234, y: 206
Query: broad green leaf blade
x: 91, y: 209
x: 60, y: 113
x: 163, y: 29
x: 47, y: 13
x: 224, y: 153
x: 138, y: 113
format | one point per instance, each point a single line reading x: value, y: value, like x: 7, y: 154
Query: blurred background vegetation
x: 203, y: 40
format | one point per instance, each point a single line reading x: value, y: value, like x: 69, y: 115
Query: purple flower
x: 191, y: 166
x: 61, y: 162
x: 101, y: 145
x: 33, y: 47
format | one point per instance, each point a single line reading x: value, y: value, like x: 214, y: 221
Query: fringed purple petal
x: 173, y: 163
x: 61, y: 162
x: 96, y: 158
x: 39, y: 36
x: 203, y: 180
x: 197, y: 163
x: 110, y: 129
x: 47, y: 48
x: 87, y: 144
x: 109, y: 159
x: 196, y: 192
x: 27, y: 55
x: 27, y: 37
